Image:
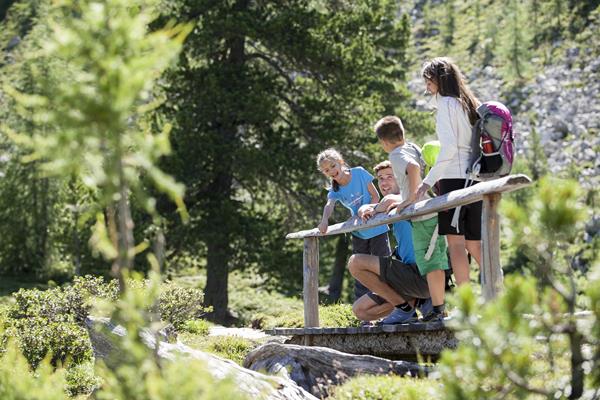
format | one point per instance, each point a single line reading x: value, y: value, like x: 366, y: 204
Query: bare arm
x: 327, y: 211
x: 414, y: 181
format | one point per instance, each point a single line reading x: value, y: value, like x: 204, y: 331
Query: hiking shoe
x: 434, y: 316
x: 399, y: 316
x: 425, y: 306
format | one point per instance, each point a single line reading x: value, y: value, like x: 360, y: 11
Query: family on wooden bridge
x: 436, y: 200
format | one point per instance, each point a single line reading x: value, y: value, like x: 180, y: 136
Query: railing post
x: 311, y: 282
x: 491, y: 270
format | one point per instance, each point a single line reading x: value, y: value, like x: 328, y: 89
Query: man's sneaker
x: 399, y: 316
x: 434, y: 316
x: 366, y: 324
x: 425, y: 306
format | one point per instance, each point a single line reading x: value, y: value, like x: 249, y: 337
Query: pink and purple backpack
x: 493, y: 147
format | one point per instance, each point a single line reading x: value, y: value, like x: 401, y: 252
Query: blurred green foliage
x: 388, y: 388
x: 530, y: 341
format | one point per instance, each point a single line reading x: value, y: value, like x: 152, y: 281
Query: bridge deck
x: 403, y: 341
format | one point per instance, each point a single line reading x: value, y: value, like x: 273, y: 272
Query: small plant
x: 388, y: 388
x: 197, y: 326
x: 38, y: 338
x: 81, y: 379
x: 337, y: 315
x: 178, y: 305
x: 233, y: 348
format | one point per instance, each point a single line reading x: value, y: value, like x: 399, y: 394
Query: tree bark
x: 222, y: 210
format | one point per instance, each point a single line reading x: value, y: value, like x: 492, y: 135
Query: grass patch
x: 234, y: 348
x: 388, y: 388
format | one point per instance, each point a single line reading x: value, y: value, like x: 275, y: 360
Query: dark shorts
x: 405, y: 279
x: 377, y: 246
x: 469, y: 220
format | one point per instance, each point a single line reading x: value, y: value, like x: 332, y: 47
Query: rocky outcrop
x: 317, y: 369
x: 254, y: 384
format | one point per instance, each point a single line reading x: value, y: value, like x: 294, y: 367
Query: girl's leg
x: 458, y: 257
x: 437, y: 286
x: 474, y: 248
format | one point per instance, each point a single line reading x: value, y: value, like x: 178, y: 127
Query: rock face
x: 316, y: 369
x: 255, y: 384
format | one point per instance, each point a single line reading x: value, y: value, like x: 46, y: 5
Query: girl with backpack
x: 456, y: 115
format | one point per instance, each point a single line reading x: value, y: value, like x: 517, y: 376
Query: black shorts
x: 378, y: 246
x: 469, y: 220
x: 405, y: 279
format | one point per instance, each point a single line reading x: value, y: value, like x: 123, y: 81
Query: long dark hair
x: 450, y: 82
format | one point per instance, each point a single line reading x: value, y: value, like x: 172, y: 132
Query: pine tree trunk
x: 221, y: 211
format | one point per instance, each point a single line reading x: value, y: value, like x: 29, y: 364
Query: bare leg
x: 474, y: 248
x: 365, y: 268
x: 366, y: 309
x: 437, y: 285
x: 458, y: 257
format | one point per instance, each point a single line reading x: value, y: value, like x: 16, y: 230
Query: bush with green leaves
x: 19, y: 382
x: 388, y: 388
x: 178, y: 305
x: 61, y: 341
x: 197, y: 326
x: 81, y: 379
x: 234, y: 348
x: 530, y: 341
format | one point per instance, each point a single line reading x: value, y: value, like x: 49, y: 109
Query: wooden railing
x: 491, y: 271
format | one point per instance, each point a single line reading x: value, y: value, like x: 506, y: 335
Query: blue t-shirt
x: 403, y: 234
x: 355, y: 194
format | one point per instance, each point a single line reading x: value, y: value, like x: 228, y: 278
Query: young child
x: 430, y: 249
x: 456, y: 115
x: 353, y: 187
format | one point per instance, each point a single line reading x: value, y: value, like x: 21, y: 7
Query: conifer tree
x: 280, y: 82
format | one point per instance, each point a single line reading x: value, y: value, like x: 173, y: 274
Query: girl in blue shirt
x: 353, y: 187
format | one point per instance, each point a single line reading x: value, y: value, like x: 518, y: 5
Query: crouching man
x: 396, y: 287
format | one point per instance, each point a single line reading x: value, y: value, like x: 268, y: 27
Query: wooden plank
x: 491, y: 270
x: 447, y: 201
x: 413, y: 327
x: 311, y: 282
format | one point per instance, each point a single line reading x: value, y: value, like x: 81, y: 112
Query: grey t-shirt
x: 400, y: 158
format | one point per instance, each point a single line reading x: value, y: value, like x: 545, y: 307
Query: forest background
x: 258, y: 89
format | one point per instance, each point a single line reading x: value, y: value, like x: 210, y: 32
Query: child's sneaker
x: 425, y: 306
x: 399, y: 316
x: 434, y: 316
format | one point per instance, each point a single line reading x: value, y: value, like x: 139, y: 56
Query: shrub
x: 178, y: 305
x: 37, y: 337
x: 18, y: 382
x: 387, y: 388
x: 337, y: 315
x: 81, y: 379
x: 234, y: 348
x: 197, y: 326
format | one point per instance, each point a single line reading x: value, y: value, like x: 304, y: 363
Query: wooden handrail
x: 453, y: 199
x: 491, y: 271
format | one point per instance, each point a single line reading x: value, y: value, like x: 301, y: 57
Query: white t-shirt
x: 454, y: 132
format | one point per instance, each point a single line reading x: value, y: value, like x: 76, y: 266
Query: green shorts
x: 422, y: 232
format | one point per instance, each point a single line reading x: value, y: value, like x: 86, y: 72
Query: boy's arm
x: 414, y: 181
x: 327, y: 211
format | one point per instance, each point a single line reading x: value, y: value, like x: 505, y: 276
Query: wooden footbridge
x: 406, y: 340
